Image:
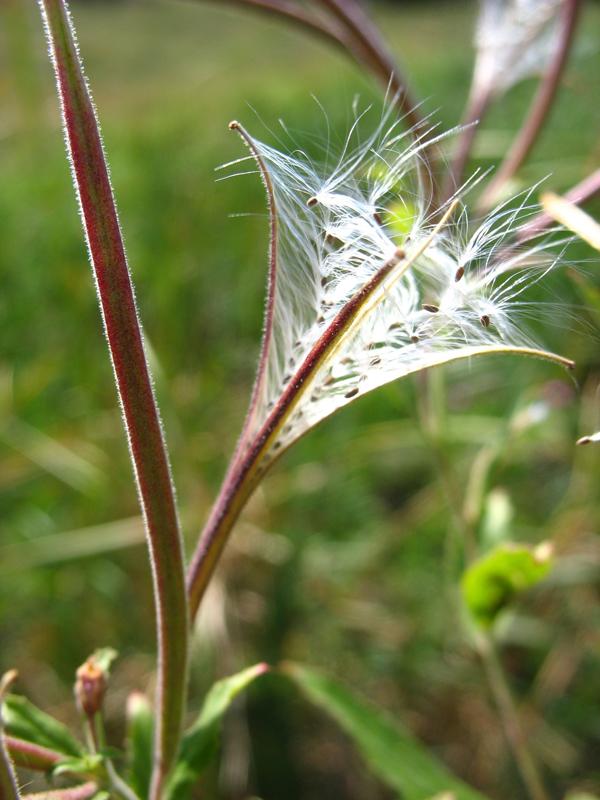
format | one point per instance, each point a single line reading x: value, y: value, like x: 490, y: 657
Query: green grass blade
x: 391, y: 752
x: 200, y: 743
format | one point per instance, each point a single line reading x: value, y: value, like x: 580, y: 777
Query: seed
x: 394, y: 326
x: 351, y: 393
x: 414, y: 339
x: 276, y: 445
x: 485, y: 320
x: 320, y: 319
x: 431, y: 308
x: 459, y: 273
x: 377, y: 218
x: 328, y: 381
x: 323, y: 280
x: 312, y: 201
x: 374, y: 361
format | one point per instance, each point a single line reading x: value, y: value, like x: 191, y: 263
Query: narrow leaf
x: 572, y: 217
x: 123, y: 332
x: 140, y: 731
x: 200, y: 743
x: 23, y: 719
x: 391, y: 752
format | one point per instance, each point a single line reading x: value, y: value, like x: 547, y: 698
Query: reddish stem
x: 30, y: 755
x: 122, y: 327
x: 83, y: 792
x: 585, y: 190
x: 540, y: 107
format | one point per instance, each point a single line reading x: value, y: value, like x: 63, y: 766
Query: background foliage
x: 348, y: 558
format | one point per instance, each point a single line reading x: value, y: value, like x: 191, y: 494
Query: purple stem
x: 30, y: 755
x: 142, y: 423
x: 83, y: 792
x: 540, y: 107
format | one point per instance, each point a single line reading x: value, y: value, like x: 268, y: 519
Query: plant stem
x: 539, y: 110
x: 124, y: 336
x: 510, y: 719
x: 476, y: 108
x: 83, y: 792
x: 583, y: 191
x: 9, y: 788
x: 30, y: 755
x: 355, y: 33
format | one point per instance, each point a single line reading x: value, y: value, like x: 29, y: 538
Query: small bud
x: 92, y: 680
x: 90, y: 688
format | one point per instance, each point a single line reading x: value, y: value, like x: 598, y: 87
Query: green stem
x: 509, y: 715
x: 124, y: 336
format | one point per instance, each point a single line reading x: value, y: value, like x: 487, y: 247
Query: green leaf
x: 140, y: 735
x: 103, y: 658
x: 391, y: 752
x: 491, y: 583
x: 23, y: 719
x: 88, y: 764
x: 200, y: 743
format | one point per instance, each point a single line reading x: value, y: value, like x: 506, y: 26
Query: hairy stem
x: 30, y: 755
x: 540, y: 107
x: 123, y: 332
x: 83, y: 792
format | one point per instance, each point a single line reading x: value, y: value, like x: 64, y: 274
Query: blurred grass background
x: 348, y: 557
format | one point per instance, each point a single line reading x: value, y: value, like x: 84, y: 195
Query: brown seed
x: 312, y: 201
x: 431, y: 308
x: 351, y: 393
x: 414, y: 339
x: 374, y: 361
x: 485, y: 320
x: 584, y: 440
x: 377, y: 218
x: 459, y: 273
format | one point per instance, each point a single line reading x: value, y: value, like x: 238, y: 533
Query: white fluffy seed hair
x: 514, y: 40
x: 453, y: 292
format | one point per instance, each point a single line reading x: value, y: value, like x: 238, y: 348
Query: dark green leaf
x: 200, y: 743
x: 391, y: 752
x: 23, y: 719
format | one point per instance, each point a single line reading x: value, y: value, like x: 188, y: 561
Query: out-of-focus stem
x: 123, y: 332
x: 83, y: 792
x: 352, y: 30
x: 9, y: 788
x: 583, y: 191
x: 540, y: 107
x: 476, y: 108
x: 509, y: 715
x: 30, y: 755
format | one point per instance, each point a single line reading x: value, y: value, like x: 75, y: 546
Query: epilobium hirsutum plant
x: 371, y: 278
